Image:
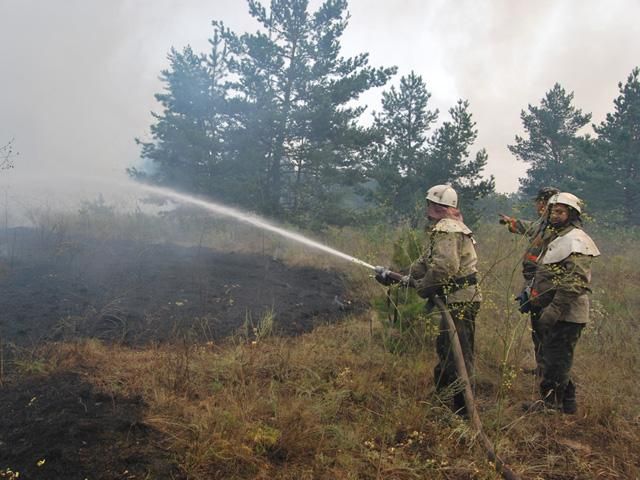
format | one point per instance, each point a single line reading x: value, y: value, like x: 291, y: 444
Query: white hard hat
x: 444, y: 195
x: 566, y: 198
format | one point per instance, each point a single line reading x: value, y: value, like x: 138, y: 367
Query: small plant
x: 407, y: 324
x: 260, y: 331
x: 30, y: 366
x: 265, y: 439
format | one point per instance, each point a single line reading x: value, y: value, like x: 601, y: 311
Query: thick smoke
x: 78, y: 77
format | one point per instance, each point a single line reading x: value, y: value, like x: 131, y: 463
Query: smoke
x: 78, y: 77
x: 503, y: 55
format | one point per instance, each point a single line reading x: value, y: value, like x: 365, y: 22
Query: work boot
x: 569, y: 404
x: 551, y: 401
x: 459, y: 405
x: 570, y: 407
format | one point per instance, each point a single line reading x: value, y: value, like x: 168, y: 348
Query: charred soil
x: 60, y: 289
x: 136, y: 293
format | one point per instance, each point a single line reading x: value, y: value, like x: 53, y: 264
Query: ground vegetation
x: 351, y: 398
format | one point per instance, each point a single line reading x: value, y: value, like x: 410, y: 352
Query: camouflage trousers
x: 445, y: 373
x: 559, y: 343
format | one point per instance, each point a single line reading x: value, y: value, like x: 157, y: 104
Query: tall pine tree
x: 552, y: 146
x: 400, y: 156
x: 268, y: 120
x: 614, y: 176
x: 300, y: 123
x: 450, y: 160
x: 188, y: 149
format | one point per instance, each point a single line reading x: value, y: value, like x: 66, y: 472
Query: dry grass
x: 337, y: 404
x: 332, y: 404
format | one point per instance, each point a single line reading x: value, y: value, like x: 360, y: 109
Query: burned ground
x: 136, y: 293
x: 59, y: 289
x: 57, y: 426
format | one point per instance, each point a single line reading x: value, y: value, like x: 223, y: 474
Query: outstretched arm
x: 521, y: 227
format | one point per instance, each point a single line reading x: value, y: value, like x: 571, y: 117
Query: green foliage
x: 408, y: 248
x: 601, y: 170
x: 450, y: 160
x: 188, y: 147
x: 407, y: 162
x: 552, y: 147
x: 297, y: 90
x: 265, y: 439
x: 400, y: 153
x: 405, y: 321
x: 614, y: 176
x: 490, y: 206
x: 266, y: 121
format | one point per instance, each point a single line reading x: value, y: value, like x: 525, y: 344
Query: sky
x: 78, y: 77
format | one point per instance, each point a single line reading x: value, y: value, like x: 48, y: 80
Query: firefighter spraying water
x: 446, y: 275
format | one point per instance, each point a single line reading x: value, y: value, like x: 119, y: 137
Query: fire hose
x: 501, y: 467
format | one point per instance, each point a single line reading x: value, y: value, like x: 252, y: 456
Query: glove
x: 430, y: 291
x: 549, y: 317
x: 504, y: 219
x: 523, y: 300
x: 382, y: 275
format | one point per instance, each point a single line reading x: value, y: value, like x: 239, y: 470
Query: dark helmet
x: 545, y: 193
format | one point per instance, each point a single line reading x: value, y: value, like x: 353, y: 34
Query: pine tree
x: 299, y: 124
x: 187, y: 150
x: 450, y: 160
x: 552, y: 145
x: 614, y: 176
x: 400, y: 156
x: 268, y: 120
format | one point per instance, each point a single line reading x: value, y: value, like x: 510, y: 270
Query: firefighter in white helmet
x: 443, y: 195
x: 447, y: 269
x: 561, y: 289
x: 536, y: 232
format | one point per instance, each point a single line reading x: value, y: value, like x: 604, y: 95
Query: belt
x: 456, y: 284
x: 462, y: 282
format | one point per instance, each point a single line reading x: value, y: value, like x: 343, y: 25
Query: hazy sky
x: 77, y: 77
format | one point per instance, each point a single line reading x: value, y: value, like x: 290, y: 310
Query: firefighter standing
x: 448, y: 270
x: 560, y: 289
x: 536, y: 233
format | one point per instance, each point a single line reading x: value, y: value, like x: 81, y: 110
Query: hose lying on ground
x: 461, y: 368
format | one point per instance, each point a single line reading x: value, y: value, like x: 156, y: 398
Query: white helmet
x: 444, y: 195
x: 569, y: 199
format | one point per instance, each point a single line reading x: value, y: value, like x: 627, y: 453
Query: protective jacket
x: 538, y: 234
x: 448, y: 266
x: 562, y: 280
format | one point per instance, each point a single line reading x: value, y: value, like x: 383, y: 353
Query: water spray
x: 250, y: 219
